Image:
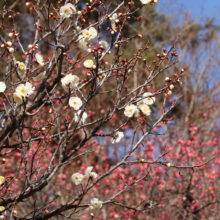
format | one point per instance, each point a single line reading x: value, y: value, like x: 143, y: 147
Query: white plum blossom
x: 67, y: 10
x: 145, y: 109
x: 90, y: 175
x: 21, y: 90
x: 88, y: 171
x: 70, y: 81
x: 2, y: 86
x: 39, y: 59
x: 21, y: 67
x: 29, y: 88
x: 88, y: 63
x: 95, y: 204
x: 114, y: 19
x: 104, y: 44
x: 2, y: 180
x: 40, y: 77
x: 24, y: 90
x: 131, y: 111
x: 141, y: 102
x: 118, y: 136
x: 77, y: 178
x: 148, y: 100
x: 83, y: 43
x: 83, y: 118
x: 75, y: 103
x: 146, y: 1
x: 89, y: 34
x: 93, y: 177
x: 17, y: 98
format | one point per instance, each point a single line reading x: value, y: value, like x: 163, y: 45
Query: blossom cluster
x: 142, y: 106
x: 77, y: 178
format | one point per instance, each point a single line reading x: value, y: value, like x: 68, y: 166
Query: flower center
x: 87, y: 34
x: 145, y: 109
x: 22, y: 91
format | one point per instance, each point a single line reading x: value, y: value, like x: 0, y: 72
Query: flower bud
x: 167, y: 79
x: 171, y: 86
x: 9, y: 43
x: 112, y: 32
x: 10, y: 34
x: 11, y: 50
x: 2, y: 46
x: 94, y: 67
x: 169, y: 92
x: 30, y: 46
x: 27, y: 4
x: 139, y: 35
x: 79, y: 12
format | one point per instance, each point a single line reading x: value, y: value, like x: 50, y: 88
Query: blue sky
x: 199, y: 10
